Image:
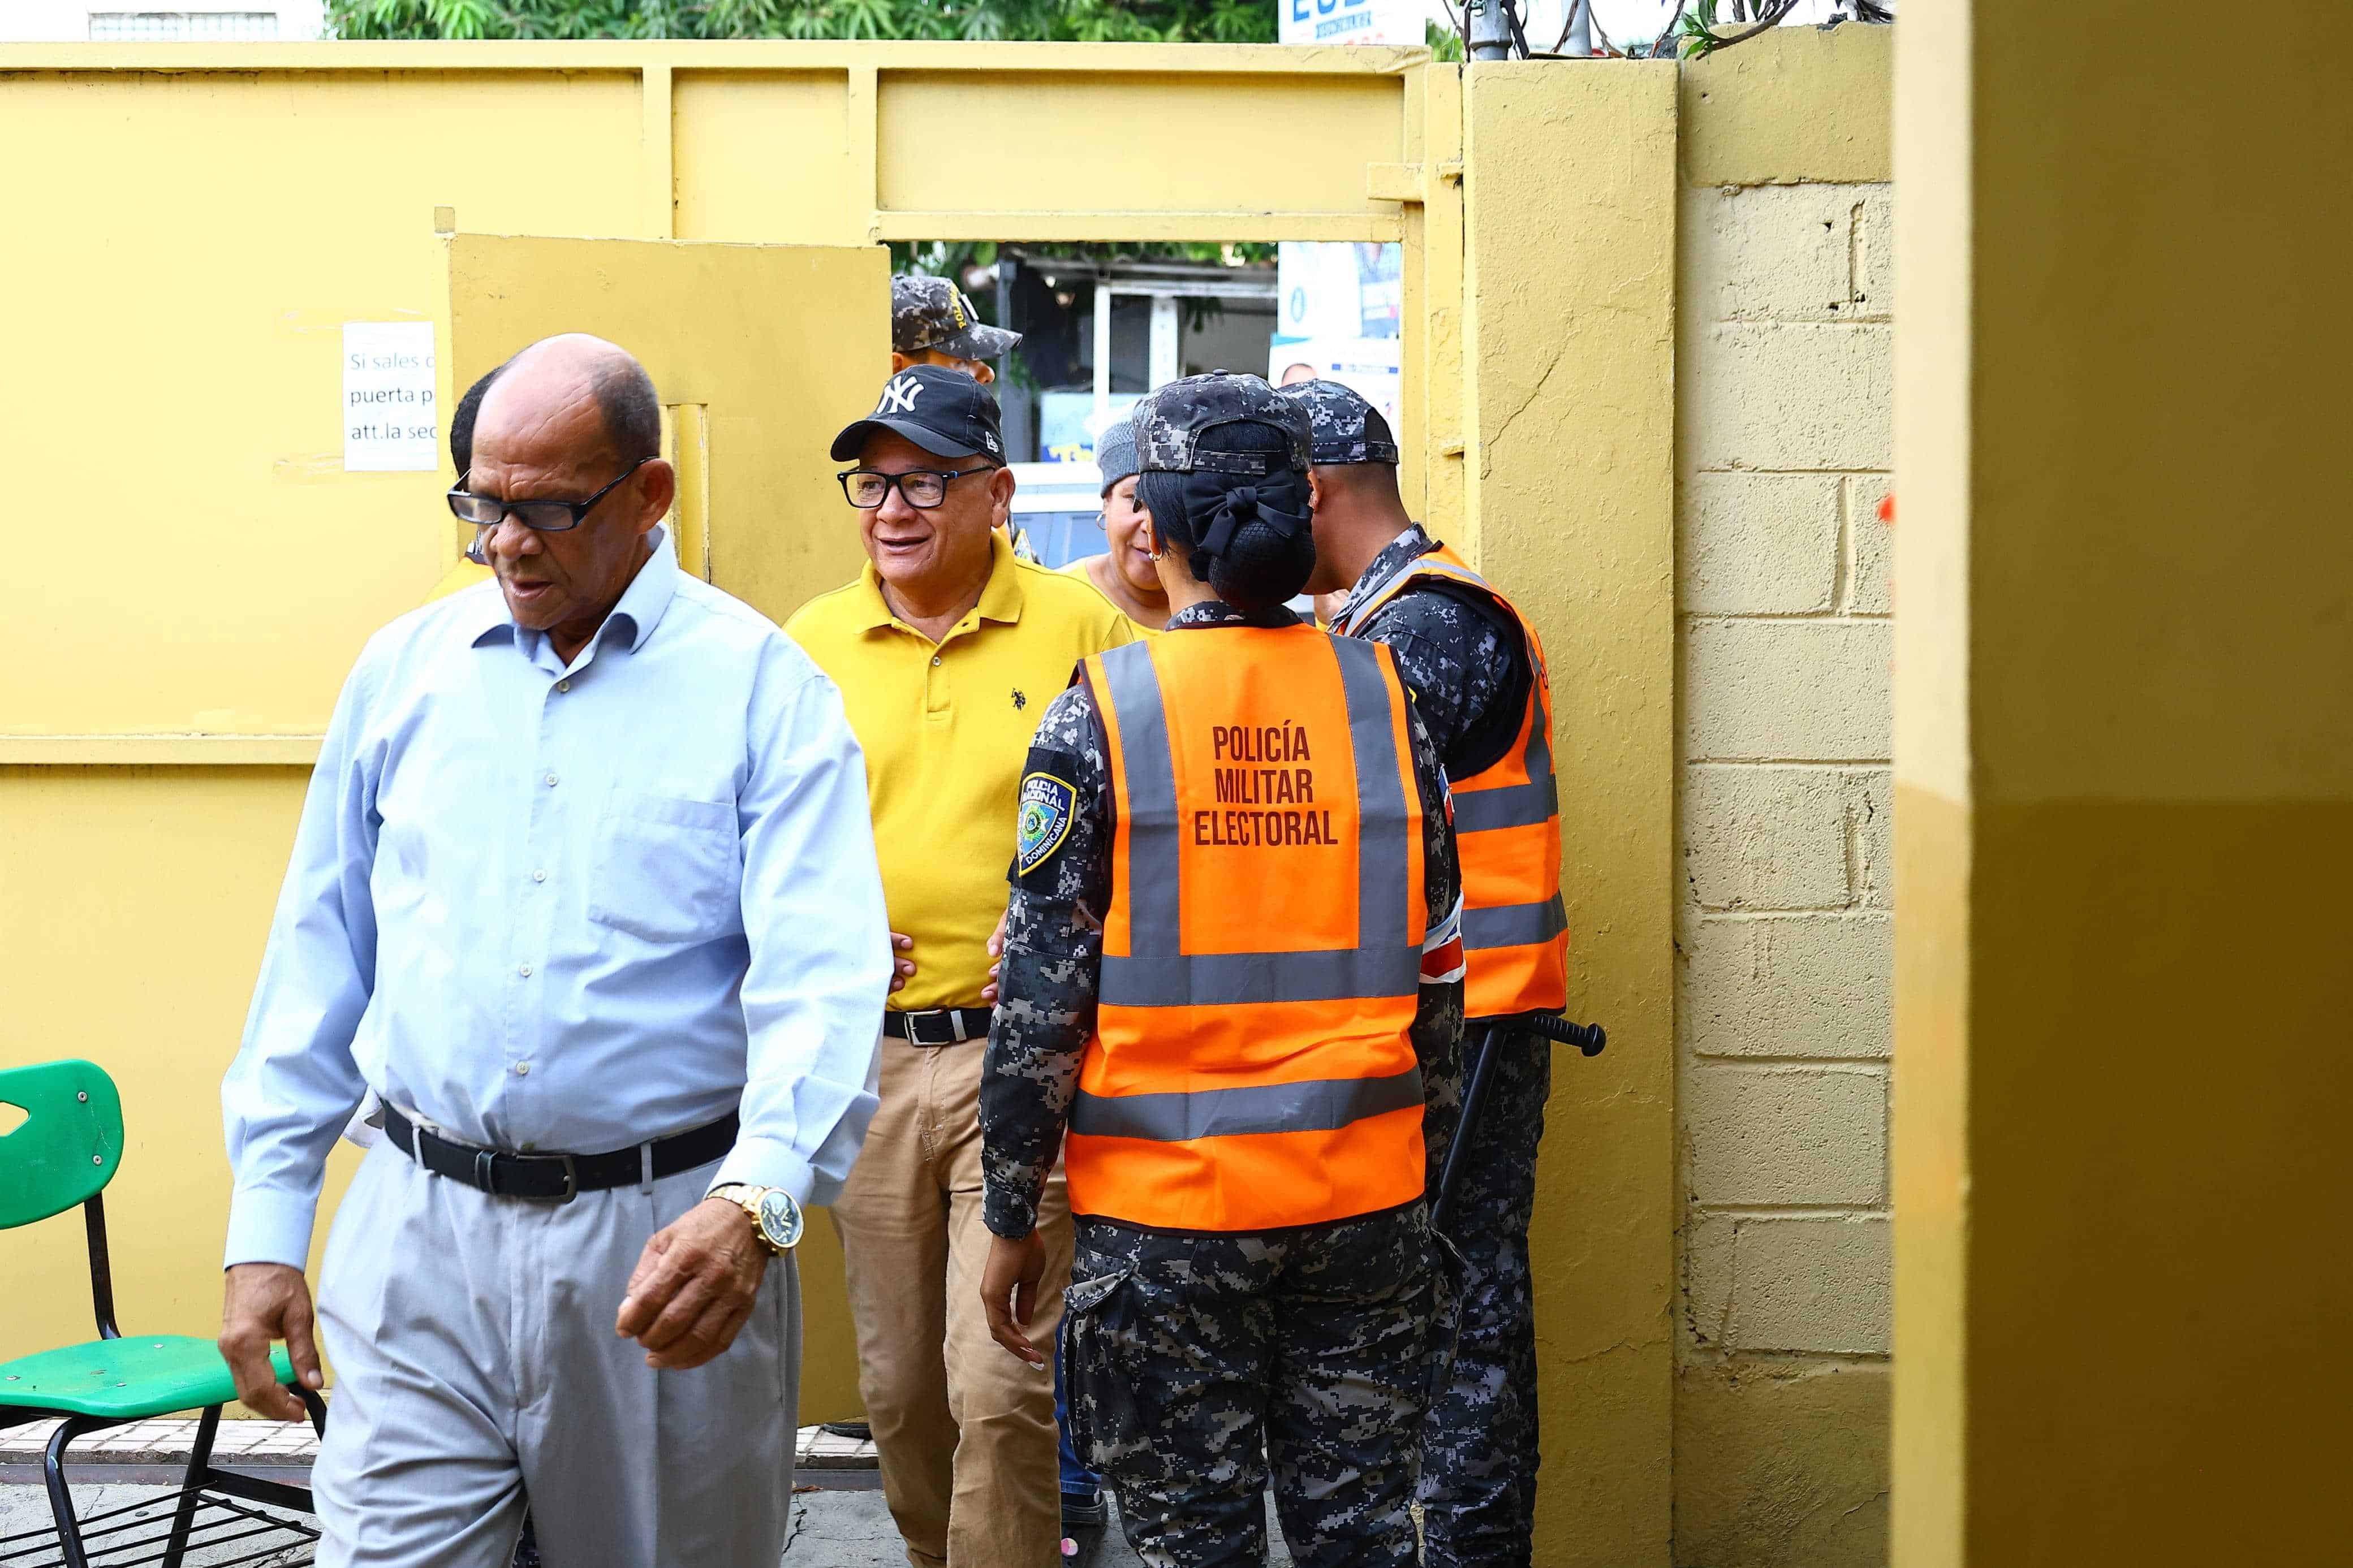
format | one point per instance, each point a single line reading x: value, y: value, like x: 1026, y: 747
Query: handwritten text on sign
x: 390, y: 424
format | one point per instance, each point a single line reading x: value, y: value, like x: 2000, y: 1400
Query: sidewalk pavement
x: 839, y: 1519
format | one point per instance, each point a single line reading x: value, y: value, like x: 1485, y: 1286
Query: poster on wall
x: 390, y: 424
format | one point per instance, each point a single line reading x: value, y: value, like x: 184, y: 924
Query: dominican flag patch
x: 1441, y: 950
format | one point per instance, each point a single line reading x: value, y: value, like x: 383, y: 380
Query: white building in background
x: 206, y: 21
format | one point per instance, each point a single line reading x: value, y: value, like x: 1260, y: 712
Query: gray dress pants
x: 477, y: 1369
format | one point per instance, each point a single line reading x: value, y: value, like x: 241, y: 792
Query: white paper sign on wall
x: 390, y: 424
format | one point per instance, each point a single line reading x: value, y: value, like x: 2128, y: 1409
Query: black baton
x: 1586, y: 1038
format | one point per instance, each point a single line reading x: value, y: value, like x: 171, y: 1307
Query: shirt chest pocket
x: 667, y: 868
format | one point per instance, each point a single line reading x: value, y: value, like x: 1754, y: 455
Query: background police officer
x: 933, y: 322
x: 1476, y: 671
x: 1256, y: 1280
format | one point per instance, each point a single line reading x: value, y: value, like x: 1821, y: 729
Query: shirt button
x: 526, y: 971
x: 522, y: 1069
x: 551, y: 781
x: 564, y: 686
x: 539, y: 876
x: 935, y: 661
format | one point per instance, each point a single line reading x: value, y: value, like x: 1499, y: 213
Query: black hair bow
x: 1240, y: 506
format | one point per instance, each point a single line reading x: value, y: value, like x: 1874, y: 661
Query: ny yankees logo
x: 899, y: 396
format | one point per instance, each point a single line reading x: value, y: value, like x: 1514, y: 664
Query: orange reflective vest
x: 1507, y: 826
x: 1252, y: 1066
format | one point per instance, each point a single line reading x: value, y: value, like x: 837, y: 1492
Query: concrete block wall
x: 1784, y: 934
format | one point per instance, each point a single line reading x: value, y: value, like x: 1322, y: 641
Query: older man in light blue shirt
x: 586, y: 890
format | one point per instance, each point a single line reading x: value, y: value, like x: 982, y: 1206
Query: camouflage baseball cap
x: 1170, y: 422
x: 933, y: 313
x: 1347, y: 429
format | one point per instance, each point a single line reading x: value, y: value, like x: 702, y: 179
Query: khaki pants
x: 965, y: 1430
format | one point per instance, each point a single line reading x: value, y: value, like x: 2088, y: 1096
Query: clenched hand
x: 693, y: 1287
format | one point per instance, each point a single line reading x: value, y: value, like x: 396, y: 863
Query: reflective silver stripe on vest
x: 1319, y: 1105
x: 1155, y: 905
x: 1521, y: 804
x: 1389, y: 970
x: 1381, y: 848
x: 1507, y: 805
x: 1156, y: 972
x: 1514, y: 925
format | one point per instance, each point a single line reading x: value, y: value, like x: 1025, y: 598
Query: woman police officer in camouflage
x: 1232, y: 1000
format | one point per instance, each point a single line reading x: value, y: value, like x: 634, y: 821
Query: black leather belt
x: 557, y: 1178
x: 939, y: 1026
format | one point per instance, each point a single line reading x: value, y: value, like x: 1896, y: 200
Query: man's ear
x: 658, y: 481
x: 900, y: 361
x: 1314, y: 490
x: 1000, y: 496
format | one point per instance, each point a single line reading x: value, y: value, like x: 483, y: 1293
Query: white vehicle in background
x: 1058, y: 512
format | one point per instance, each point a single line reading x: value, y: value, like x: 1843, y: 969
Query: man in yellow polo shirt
x: 947, y: 650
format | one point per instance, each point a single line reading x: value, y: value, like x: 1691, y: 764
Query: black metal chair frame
x: 202, y: 1502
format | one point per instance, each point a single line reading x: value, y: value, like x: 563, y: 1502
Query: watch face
x: 780, y: 1220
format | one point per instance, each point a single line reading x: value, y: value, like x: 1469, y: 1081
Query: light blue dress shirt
x: 571, y: 908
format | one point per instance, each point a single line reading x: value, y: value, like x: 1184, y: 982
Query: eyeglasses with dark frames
x: 539, y: 516
x: 922, y: 489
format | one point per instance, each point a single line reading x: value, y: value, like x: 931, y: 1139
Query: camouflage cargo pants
x: 1479, y: 1442
x: 1195, y: 1362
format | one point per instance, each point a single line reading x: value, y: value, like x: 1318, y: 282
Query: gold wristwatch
x: 776, y: 1218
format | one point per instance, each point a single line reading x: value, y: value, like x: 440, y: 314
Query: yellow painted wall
x: 1568, y: 348
x: 2125, y: 773
x: 1783, y: 855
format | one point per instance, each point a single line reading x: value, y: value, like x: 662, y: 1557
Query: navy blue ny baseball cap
x: 943, y: 411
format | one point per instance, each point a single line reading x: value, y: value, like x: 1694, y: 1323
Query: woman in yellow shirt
x: 1123, y: 574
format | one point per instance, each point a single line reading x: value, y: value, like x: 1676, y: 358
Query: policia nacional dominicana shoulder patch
x: 1045, y: 807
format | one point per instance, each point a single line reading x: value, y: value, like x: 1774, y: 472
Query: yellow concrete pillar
x: 1569, y: 357
x: 2124, y: 761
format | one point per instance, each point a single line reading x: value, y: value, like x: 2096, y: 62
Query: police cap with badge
x: 933, y: 313
x: 1346, y: 428
x: 1171, y: 425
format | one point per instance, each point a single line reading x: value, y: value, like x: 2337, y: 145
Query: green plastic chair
x: 64, y: 1153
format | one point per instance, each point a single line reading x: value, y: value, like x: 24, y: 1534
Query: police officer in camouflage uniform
x: 1199, y: 1353
x: 1472, y: 669
x: 933, y: 322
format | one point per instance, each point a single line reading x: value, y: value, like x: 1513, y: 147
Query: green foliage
x: 1074, y: 21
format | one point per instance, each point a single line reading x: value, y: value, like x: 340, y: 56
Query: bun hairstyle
x: 1247, y: 537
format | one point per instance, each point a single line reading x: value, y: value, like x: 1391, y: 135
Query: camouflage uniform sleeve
x: 1052, y: 964
x: 1437, y: 1029
x: 1461, y: 664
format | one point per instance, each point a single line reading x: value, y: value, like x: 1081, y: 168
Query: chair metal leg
x: 183, y: 1516
x: 53, y: 1476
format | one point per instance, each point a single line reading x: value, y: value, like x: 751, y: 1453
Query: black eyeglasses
x: 921, y: 487
x: 541, y: 516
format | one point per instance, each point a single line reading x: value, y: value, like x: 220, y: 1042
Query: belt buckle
x: 570, y: 1180
x: 946, y: 1016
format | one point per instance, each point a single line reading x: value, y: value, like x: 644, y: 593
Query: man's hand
x: 996, y: 960
x: 902, y: 968
x: 1008, y: 1292
x: 264, y: 1302
x: 694, y: 1284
